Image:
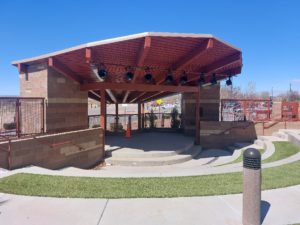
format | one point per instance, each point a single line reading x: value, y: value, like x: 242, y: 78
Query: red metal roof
x: 192, y: 53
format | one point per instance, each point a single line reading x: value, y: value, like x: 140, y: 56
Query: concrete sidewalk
x: 280, y: 206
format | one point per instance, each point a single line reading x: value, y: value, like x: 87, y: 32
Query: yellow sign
x: 159, y: 101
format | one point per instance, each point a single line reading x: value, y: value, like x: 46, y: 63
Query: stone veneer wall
x: 66, y: 106
x: 215, y: 134
x: 209, y: 107
x: 82, y: 148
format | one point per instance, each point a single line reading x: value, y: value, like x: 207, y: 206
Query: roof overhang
x: 158, y: 51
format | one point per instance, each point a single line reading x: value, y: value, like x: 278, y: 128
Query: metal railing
x: 21, y: 116
x: 149, y: 120
x: 244, y: 109
x: 258, y: 110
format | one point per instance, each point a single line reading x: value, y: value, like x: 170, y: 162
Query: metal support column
x: 103, y: 115
x: 197, y: 120
x: 117, y: 117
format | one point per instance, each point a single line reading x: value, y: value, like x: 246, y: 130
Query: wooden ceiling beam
x: 144, y: 51
x: 88, y: 55
x: 150, y: 96
x: 219, y: 64
x: 190, y: 57
x: 137, y: 97
x: 63, y: 69
x: 22, y: 68
x: 96, y: 96
x: 161, y: 95
x: 93, y: 95
x: 91, y: 57
x: 136, y: 87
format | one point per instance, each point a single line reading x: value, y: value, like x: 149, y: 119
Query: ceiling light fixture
x: 213, y: 79
x: 183, y: 78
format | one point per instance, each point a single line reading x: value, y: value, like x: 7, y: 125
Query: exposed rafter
x: 219, y: 64
x: 162, y: 95
x: 140, y: 61
x: 222, y: 63
x: 65, y: 70
x: 190, y: 57
x: 94, y: 95
x: 90, y: 57
x: 111, y: 95
x: 136, y: 87
x: 22, y: 68
x: 137, y: 97
x: 150, y: 96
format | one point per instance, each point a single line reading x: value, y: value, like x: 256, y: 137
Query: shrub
x: 152, y: 118
x: 175, y: 122
x: 9, y: 126
x: 116, y: 127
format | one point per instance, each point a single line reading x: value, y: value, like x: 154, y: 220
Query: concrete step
x: 259, y: 143
x: 211, y: 156
x: 155, y: 161
x: 231, y: 148
x: 227, y: 159
x: 140, y: 153
x: 281, y: 135
x: 241, y: 144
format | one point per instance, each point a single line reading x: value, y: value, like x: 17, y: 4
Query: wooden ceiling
x: 159, y: 52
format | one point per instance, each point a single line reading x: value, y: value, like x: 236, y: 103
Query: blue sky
x: 268, y: 32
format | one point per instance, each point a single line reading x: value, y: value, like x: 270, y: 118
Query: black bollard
x: 251, y: 187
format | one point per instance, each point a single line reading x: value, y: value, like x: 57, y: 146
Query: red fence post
x: 221, y: 109
x: 18, y: 117
x: 9, y: 155
x: 197, y: 119
x: 284, y: 123
x: 43, y: 116
x: 269, y: 110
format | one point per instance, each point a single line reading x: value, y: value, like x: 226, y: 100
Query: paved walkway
x: 280, y: 206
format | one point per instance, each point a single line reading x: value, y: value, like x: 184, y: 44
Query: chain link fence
x: 21, y: 116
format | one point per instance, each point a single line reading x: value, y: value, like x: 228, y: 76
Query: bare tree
x: 290, y: 96
x: 231, y: 92
x: 250, y: 91
x: 264, y: 95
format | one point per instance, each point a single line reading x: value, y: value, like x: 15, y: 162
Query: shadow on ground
x: 264, y: 208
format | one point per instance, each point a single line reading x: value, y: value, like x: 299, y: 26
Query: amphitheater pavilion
x: 131, y: 69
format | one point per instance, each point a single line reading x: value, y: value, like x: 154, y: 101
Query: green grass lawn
x: 90, y: 187
x: 283, y: 150
x: 84, y: 187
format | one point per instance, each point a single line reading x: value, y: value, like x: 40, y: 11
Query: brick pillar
x: 209, y: 107
x: 65, y: 106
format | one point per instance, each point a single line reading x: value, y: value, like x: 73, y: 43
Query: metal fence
x: 151, y: 120
x: 162, y: 120
x: 258, y: 110
x: 21, y: 116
